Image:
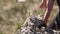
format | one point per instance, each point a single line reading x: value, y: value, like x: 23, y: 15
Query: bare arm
x: 43, y: 4
x: 48, y: 10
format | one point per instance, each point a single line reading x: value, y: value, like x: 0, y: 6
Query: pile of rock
x: 32, y: 25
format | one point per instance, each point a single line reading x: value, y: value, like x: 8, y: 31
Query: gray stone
x: 30, y: 26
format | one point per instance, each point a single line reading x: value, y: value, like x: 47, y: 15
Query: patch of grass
x: 1, y: 18
x: 19, y: 24
x: 11, y: 23
x: 1, y: 32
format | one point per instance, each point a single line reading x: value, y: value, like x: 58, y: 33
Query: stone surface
x: 31, y: 26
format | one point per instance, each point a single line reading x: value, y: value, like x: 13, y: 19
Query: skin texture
x: 43, y: 4
x: 48, y: 4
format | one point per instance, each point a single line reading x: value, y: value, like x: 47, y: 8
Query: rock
x: 31, y: 26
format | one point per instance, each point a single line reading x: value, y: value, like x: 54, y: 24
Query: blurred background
x: 13, y: 13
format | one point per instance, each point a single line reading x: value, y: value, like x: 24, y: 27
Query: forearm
x: 48, y: 10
